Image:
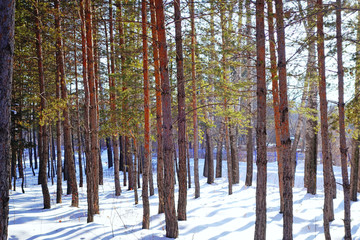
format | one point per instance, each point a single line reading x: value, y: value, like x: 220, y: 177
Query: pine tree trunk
x: 328, y: 200
x: 226, y: 119
x: 78, y: 129
x: 160, y: 161
x: 182, y: 201
x: 43, y: 144
x: 234, y: 157
x: 109, y: 152
x: 343, y: 148
x: 194, y: 102
x: 354, y: 176
x: 135, y: 171
x: 170, y: 212
x: 114, y: 141
x: 311, y: 122
x: 66, y: 122
x: 219, y: 149
x: 7, y: 25
x: 249, y: 156
x: 146, y: 167
x: 261, y: 162
x: 89, y: 162
x: 276, y: 101
x: 284, y: 125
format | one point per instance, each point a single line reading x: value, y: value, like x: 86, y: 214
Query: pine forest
x: 157, y: 119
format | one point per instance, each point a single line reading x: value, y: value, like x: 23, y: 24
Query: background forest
x: 151, y: 99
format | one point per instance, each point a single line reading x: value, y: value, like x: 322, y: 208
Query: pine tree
x: 7, y: 26
x: 261, y: 162
x: 170, y: 213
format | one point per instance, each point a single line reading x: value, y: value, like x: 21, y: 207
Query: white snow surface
x: 215, y: 215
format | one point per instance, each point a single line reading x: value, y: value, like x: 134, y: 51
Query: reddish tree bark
x: 328, y: 200
x: 160, y: 160
x: 170, y: 212
x: 276, y: 101
x: 261, y: 161
x: 66, y: 122
x: 343, y: 148
x: 284, y: 124
x: 43, y: 143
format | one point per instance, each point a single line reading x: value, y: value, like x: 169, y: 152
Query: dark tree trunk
x: 328, y: 200
x: 311, y: 122
x: 93, y: 108
x: 224, y: 76
x: 135, y: 171
x: 249, y: 156
x: 354, y: 177
x: 114, y: 141
x: 219, y: 149
x: 109, y: 152
x: 146, y: 167
x: 343, y: 148
x: 170, y: 212
x: 181, y: 210
x: 209, y: 151
x: 7, y: 26
x: 69, y: 156
x: 261, y: 162
x: 43, y: 143
x: 85, y: 21
x: 78, y: 129
x: 188, y: 161
x: 234, y: 157
x: 130, y: 164
x: 194, y: 102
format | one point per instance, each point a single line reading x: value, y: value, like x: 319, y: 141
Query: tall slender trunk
x: 354, y: 176
x: 93, y: 107
x: 311, y: 122
x: 7, y: 26
x: 276, y: 101
x: 146, y: 168
x: 66, y: 122
x: 78, y: 129
x: 89, y: 162
x: 160, y: 161
x: 170, y: 212
x: 224, y: 76
x: 261, y: 162
x: 43, y: 144
x: 284, y: 124
x: 328, y: 200
x: 194, y: 101
x: 181, y: 210
x: 343, y: 149
x: 114, y: 138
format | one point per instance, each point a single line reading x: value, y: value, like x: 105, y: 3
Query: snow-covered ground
x: 215, y: 215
